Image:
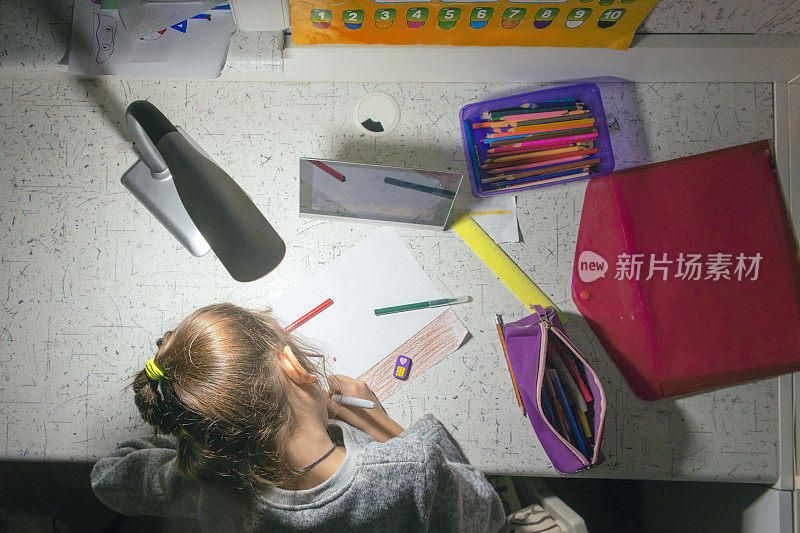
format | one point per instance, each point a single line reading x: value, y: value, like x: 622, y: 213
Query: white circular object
x: 377, y: 114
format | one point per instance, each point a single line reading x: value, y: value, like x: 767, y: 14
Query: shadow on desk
x: 56, y: 496
x: 642, y: 439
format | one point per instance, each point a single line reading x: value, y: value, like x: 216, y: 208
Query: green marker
x: 422, y: 305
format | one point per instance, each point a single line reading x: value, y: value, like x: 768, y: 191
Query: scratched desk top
x: 90, y: 279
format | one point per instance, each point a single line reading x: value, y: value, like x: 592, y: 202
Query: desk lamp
x: 197, y: 201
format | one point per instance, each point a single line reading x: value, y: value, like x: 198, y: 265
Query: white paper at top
x: 377, y: 272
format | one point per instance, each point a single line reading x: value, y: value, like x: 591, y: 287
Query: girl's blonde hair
x: 223, y: 386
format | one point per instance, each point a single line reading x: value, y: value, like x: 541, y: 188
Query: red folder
x: 673, y: 334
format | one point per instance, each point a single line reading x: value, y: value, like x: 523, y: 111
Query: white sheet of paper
x: 377, y: 272
x: 497, y: 215
x: 196, y: 48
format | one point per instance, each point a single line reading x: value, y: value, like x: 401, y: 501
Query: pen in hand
x: 352, y: 402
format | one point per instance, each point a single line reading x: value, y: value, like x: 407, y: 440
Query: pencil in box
x: 510, y: 120
x: 536, y: 121
x: 538, y: 162
x: 542, y: 140
x: 543, y: 178
x: 559, y: 359
x: 550, y: 143
x: 494, y: 162
x: 544, y: 170
x: 561, y: 425
x: 564, y: 106
x: 527, y: 183
x: 509, y: 171
x: 535, y: 157
x: 587, y: 395
x: 553, y: 137
x: 531, y: 151
x: 573, y: 424
x: 543, y: 128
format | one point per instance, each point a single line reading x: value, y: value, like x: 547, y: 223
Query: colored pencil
x: 529, y: 151
x: 542, y: 142
x: 560, y: 174
x: 577, y: 375
x: 585, y: 423
x: 524, y: 137
x: 487, y: 114
x: 547, y: 170
x: 542, y: 181
x: 554, y: 120
x: 564, y: 124
x: 573, y: 424
x: 527, y: 154
x: 573, y: 392
x: 509, y: 171
x: 550, y: 103
x: 494, y: 115
x: 560, y: 416
x: 532, y: 115
x: 534, y: 157
x: 499, y: 320
x: 566, y: 158
x: 339, y: 176
x: 543, y: 128
x: 318, y: 309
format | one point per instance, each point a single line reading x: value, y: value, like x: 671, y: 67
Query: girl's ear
x: 293, y: 369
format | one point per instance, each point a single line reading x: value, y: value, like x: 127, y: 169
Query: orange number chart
x: 592, y: 23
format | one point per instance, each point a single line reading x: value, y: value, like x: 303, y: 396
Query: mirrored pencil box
x: 359, y: 192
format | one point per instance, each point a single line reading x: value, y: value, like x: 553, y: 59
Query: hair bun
x: 164, y: 338
x: 154, y: 408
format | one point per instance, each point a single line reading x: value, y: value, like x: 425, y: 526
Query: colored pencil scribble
x: 430, y: 345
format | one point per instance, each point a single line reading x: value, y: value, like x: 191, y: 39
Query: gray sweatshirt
x: 418, y: 481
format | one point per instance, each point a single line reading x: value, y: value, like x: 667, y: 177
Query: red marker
x: 338, y: 175
x: 318, y: 309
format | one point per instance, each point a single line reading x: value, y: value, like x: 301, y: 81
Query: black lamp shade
x: 235, y: 229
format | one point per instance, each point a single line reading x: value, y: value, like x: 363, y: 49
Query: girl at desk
x: 254, y: 448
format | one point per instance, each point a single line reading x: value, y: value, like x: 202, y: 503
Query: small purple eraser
x: 402, y: 367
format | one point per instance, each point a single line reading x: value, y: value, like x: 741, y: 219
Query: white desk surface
x: 89, y: 279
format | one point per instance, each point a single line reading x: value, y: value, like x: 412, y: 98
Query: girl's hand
x: 374, y: 422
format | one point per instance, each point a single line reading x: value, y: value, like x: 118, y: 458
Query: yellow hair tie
x: 180, y: 434
x: 153, y: 372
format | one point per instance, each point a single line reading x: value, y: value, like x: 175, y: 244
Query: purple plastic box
x: 588, y: 93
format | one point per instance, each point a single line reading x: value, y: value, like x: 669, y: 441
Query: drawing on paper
x: 105, y: 28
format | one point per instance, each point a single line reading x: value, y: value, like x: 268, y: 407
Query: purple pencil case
x: 532, y: 345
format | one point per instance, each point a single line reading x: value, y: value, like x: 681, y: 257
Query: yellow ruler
x: 502, y: 265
